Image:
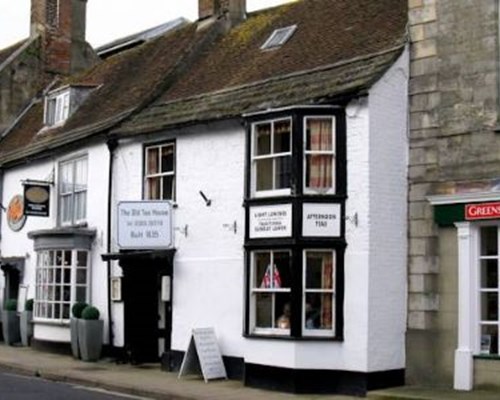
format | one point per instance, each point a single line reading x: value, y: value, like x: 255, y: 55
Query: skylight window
x: 279, y: 37
x: 57, y: 108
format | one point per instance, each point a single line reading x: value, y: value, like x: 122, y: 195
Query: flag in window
x: 266, y: 279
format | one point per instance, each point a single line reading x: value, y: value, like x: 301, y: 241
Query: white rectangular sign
x: 271, y: 221
x: 321, y: 220
x: 145, y: 225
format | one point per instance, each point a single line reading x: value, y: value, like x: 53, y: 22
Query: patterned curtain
x: 326, y: 309
x: 320, y: 165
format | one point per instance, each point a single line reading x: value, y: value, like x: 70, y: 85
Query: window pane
x: 282, y: 311
x: 261, y: 262
x: 263, y: 310
x: 489, y: 241
x: 489, y: 306
x: 59, y: 258
x: 319, y: 311
x: 81, y: 293
x: 319, y: 270
x: 282, y: 270
x: 489, y: 339
x: 319, y: 174
x: 152, y: 166
x: 80, y: 205
x: 168, y: 187
x: 66, y: 309
x: 282, y: 135
x: 81, y: 276
x: 264, y: 169
x: 319, y: 135
x: 167, y: 159
x: 262, y: 139
x: 80, y: 174
x: 81, y: 258
x: 283, y: 172
x: 66, y: 172
x: 489, y: 274
x: 153, y: 188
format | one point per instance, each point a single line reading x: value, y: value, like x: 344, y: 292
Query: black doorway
x: 141, y: 286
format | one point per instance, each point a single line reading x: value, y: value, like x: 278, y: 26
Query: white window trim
x: 318, y: 332
x: 274, y: 192
x: 253, y: 328
x: 160, y: 174
x: 333, y: 153
x: 61, y: 100
x: 73, y: 284
x: 59, y: 195
x: 269, y: 45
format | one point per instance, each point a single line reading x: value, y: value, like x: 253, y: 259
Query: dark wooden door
x: 140, y: 295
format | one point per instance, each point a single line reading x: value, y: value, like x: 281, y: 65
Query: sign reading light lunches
x: 36, y: 199
x: 482, y: 211
x: 144, y: 225
x: 271, y: 221
x: 320, y: 220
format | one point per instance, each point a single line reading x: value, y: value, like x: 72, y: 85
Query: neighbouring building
x: 454, y: 197
x: 275, y: 143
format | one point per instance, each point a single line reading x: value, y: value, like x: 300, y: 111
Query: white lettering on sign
x: 144, y: 224
x: 321, y: 220
x: 482, y: 211
x: 271, y: 221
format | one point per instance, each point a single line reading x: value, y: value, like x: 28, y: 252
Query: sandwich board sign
x: 203, y: 355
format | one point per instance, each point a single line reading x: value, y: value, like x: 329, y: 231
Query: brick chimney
x: 61, y: 26
x: 235, y: 9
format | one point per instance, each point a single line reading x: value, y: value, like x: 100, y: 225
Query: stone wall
x: 453, y: 140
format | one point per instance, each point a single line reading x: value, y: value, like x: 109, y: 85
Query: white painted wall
x: 388, y: 103
x: 17, y: 244
x: 208, y: 264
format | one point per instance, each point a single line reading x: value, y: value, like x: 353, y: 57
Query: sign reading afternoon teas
x: 321, y: 220
x: 144, y: 224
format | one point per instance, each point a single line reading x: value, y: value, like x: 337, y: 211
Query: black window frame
x: 296, y: 243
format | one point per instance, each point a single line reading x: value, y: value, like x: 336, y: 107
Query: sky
x: 109, y: 19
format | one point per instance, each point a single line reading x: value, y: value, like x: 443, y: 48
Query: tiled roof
x: 190, y: 75
x: 7, y: 52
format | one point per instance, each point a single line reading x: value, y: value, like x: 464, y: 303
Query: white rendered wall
x: 388, y: 103
x: 208, y: 263
x: 17, y: 244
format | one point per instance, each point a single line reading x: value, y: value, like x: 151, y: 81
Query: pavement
x: 147, y: 380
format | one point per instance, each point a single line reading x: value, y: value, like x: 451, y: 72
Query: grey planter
x: 10, y: 325
x: 73, y: 328
x: 90, y: 338
x: 26, y: 327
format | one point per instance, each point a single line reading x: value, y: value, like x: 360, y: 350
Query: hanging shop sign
x: 321, y: 220
x: 145, y: 225
x: 36, y: 199
x: 271, y: 221
x: 482, y: 211
x: 15, y: 213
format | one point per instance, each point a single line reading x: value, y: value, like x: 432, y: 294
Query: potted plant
x: 10, y: 322
x: 76, y: 312
x: 90, y: 330
x: 27, y: 323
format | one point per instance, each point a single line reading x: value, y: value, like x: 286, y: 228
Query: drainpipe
x: 112, y: 145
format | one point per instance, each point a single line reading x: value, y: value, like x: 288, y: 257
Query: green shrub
x: 90, y: 312
x: 11, y: 305
x: 77, y: 309
x: 28, y: 306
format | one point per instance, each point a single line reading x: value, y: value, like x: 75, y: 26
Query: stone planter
x: 90, y: 339
x: 10, y: 325
x: 73, y: 327
x: 26, y: 327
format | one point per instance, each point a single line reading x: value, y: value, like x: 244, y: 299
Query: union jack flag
x: 266, y: 279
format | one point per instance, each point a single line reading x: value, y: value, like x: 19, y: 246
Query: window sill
x: 294, y: 338
x: 62, y: 324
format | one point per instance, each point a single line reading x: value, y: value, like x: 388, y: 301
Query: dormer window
x: 57, y: 107
x: 279, y: 37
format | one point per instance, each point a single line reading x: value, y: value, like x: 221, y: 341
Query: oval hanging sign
x: 15, y: 213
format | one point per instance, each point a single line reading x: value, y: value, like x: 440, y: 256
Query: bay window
x: 73, y: 191
x: 160, y: 172
x: 61, y: 280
